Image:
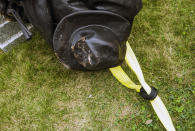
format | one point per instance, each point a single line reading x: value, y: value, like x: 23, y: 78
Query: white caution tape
x: 157, y: 103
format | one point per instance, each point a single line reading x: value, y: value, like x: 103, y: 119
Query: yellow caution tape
x: 121, y: 76
x: 157, y: 103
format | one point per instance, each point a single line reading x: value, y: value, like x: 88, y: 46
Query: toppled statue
x: 84, y: 34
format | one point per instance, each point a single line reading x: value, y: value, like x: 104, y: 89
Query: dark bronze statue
x: 84, y: 34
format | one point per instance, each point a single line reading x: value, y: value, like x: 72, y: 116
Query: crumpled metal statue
x: 84, y: 34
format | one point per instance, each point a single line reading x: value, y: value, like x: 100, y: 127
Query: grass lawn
x: 37, y: 93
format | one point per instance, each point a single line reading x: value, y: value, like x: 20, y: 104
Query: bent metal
x: 84, y: 34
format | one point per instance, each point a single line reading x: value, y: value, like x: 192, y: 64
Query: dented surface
x: 57, y: 20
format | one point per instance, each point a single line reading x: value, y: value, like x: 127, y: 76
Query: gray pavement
x: 1, y: 19
x: 8, y: 30
x: 9, y: 33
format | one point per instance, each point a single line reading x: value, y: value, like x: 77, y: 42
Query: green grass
x: 37, y: 93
